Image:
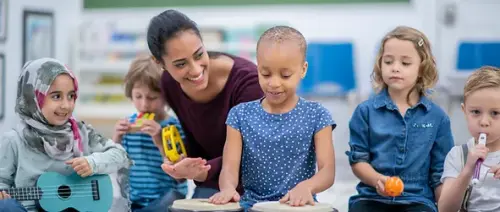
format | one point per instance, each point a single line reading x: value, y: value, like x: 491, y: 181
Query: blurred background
x: 99, y: 38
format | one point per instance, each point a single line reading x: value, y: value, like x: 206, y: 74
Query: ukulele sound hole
x: 64, y: 191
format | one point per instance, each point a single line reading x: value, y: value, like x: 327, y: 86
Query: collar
x: 382, y: 99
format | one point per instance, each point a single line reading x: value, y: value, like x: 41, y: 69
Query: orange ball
x: 394, y: 186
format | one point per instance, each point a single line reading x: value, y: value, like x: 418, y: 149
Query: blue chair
x: 473, y: 55
x: 331, y: 70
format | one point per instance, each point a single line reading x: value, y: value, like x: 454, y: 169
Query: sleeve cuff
x: 436, y: 180
x: 434, y: 184
x: 92, y: 164
x: 356, y: 157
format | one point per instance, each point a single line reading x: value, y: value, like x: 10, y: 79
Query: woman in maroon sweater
x: 201, y: 87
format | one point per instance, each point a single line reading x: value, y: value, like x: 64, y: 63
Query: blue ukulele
x: 56, y: 192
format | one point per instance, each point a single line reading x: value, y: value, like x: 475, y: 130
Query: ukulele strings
x: 51, y: 195
x: 57, y: 193
x: 76, y: 190
x: 58, y: 197
x: 57, y: 186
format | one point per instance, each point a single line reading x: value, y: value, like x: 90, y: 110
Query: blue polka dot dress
x: 278, y: 149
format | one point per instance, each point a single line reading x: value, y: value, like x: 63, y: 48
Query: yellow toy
x: 173, y: 144
x: 137, y: 119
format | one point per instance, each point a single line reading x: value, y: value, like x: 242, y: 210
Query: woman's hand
x: 186, y: 168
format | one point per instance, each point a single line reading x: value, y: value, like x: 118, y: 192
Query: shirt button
x: 399, y: 161
x: 401, y: 149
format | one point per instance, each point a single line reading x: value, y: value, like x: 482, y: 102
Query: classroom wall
x: 89, y: 4
x: 67, y: 14
x: 361, y: 24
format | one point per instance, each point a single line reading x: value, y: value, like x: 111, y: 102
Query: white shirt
x: 485, y: 196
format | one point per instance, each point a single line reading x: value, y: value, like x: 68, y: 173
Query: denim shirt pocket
x: 421, y: 134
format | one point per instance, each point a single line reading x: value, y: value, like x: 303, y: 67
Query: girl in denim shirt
x: 400, y: 131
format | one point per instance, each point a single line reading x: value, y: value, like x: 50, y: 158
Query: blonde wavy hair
x: 484, y: 77
x: 427, y: 76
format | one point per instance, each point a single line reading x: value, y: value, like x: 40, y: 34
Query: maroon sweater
x: 204, y: 124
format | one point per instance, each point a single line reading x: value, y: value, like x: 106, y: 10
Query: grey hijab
x: 58, y: 142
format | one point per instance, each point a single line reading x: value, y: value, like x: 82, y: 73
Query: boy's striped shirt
x: 148, y: 182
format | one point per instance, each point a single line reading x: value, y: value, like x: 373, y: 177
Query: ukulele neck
x: 24, y: 194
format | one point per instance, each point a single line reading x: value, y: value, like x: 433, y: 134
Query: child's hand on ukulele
x: 4, y: 195
x: 121, y: 128
x: 298, y: 196
x: 224, y: 197
x: 81, y: 166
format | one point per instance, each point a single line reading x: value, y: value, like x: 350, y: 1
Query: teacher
x: 201, y: 87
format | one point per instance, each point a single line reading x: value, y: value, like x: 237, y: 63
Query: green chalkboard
x: 94, y: 4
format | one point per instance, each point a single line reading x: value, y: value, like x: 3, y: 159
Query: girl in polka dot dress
x: 278, y: 140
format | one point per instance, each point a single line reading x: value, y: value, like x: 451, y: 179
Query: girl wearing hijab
x: 48, y: 138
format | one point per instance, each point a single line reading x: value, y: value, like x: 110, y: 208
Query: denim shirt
x: 413, y: 147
